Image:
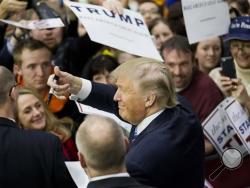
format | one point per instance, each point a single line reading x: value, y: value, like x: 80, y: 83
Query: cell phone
x: 228, y: 68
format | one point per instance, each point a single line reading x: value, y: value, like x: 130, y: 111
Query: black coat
x: 31, y: 159
x: 116, y: 182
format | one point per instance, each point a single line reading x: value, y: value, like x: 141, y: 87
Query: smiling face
x: 240, y: 51
x: 31, y: 112
x: 180, y: 66
x: 208, y: 54
x: 130, y: 100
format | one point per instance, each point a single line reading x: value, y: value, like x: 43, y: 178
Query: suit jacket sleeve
x: 101, y: 97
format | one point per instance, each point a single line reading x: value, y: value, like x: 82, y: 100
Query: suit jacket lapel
x: 165, y: 116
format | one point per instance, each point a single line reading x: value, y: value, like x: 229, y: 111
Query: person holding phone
x: 239, y: 45
x: 233, y: 78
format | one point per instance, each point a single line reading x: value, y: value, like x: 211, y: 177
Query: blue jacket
x: 169, y: 152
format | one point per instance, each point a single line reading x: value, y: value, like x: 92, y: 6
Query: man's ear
x: 150, y: 100
x: 81, y: 159
x: 13, y: 96
x: 17, y: 70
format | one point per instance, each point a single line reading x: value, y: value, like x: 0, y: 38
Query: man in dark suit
x: 27, y: 158
x: 102, y: 148
x: 167, y: 148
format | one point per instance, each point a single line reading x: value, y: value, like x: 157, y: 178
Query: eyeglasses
x: 238, y: 45
x: 13, y: 87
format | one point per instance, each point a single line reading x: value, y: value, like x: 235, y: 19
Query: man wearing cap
x: 239, y: 46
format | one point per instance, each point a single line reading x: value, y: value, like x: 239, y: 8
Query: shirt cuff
x: 10, y: 47
x: 84, y: 92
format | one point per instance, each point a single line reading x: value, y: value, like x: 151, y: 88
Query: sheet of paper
x: 205, y: 19
x: 127, y: 32
x: 36, y: 24
x: 77, y: 173
x: 207, y: 184
x: 85, y: 109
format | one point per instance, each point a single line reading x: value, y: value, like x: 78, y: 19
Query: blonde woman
x: 33, y: 114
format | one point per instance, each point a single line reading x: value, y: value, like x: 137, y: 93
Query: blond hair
x: 151, y: 76
x: 61, y: 126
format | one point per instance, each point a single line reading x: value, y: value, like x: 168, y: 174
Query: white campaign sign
x: 207, y: 184
x: 36, y: 24
x: 205, y: 19
x: 127, y: 32
x: 219, y: 128
x: 241, y: 121
x: 77, y: 173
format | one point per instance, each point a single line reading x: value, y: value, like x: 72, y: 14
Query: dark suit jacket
x: 31, y: 159
x: 169, y: 152
x: 116, y: 182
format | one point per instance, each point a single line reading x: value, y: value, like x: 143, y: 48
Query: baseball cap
x: 239, y: 29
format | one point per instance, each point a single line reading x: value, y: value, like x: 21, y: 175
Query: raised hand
x: 114, y: 5
x: 8, y: 6
x: 65, y: 84
x: 239, y: 92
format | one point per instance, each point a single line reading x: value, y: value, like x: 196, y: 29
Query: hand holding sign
x: 8, y: 6
x: 113, y: 5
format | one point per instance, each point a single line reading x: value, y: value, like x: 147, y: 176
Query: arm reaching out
x: 66, y: 84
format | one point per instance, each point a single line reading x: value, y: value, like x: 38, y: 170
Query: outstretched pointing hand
x: 65, y: 84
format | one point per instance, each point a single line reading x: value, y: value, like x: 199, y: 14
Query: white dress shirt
x: 125, y: 174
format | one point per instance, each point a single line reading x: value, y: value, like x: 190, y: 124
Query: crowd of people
x: 165, y: 102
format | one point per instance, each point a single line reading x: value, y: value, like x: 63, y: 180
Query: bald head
x: 101, y: 141
x: 7, y: 80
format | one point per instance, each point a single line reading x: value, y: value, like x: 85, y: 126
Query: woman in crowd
x: 33, y: 114
x: 161, y: 31
x: 99, y: 68
x: 149, y: 11
x: 207, y: 54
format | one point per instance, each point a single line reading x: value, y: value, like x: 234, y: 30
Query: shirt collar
x: 125, y: 174
x: 144, y: 124
x: 11, y: 119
